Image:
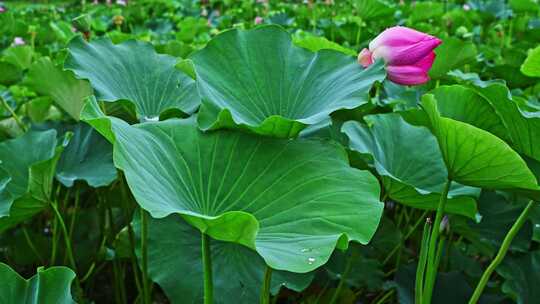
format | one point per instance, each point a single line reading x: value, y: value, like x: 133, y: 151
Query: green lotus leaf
x: 67, y: 91
x: 409, y: 162
x: 174, y: 262
x: 133, y: 71
x: 522, y: 277
x: 523, y: 126
x: 476, y: 157
x: 451, y: 54
x: 21, y: 56
x: 88, y: 157
x: 48, y: 286
x: 531, y: 66
x: 259, y: 80
x: 464, y: 104
x: 316, y: 43
x: 28, y: 175
x: 291, y: 201
x: 10, y: 73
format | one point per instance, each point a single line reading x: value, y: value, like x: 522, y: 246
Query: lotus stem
x: 207, y: 269
x: 432, y: 265
x: 344, y: 276
x: 31, y: 245
x: 502, y: 252
x: 13, y: 114
x: 265, y: 292
x: 69, y: 249
x: 420, y: 269
x: 144, y: 257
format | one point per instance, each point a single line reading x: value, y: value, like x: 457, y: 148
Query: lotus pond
x: 264, y: 151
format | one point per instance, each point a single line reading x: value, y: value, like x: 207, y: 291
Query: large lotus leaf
x: 28, y: 175
x: 476, y: 157
x: 260, y: 80
x: 174, y: 262
x: 291, y: 201
x: 48, y: 286
x: 316, y: 43
x: 464, y: 104
x: 88, y: 157
x: 522, y: 274
x: 67, y: 91
x: 531, y: 66
x: 409, y: 161
x: 523, y: 126
x: 20, y: 56
x: 10, y: 73
x: 133, y: 71
x: 451, y: 54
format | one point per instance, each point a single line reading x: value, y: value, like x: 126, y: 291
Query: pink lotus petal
x: 427, y: 62
x: 398, y: 36
x: 407, y: 54
x: 407, y: 75
x: 365, y: 58
x: 18, y: 41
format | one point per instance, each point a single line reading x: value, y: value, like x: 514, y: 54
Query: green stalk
x: 265, y: 292
x: 54, y: 249
x: 69, y: 248
x: 344, y: 276
x: 207, y: 269
x: 502, y: 252
x: 431, y: 271
x: 413, y: 229
x: 75, y: 210
x: 386, y: 296
x: 32, y: 246
x: 144, y: 257
x: 420, y: 269
x: 131, y: 234
x: 13, y: 114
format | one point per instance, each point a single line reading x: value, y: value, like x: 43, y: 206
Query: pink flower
x: 18, y: 41
x: 258, y: 20
x: 121, y: 2
x: 2, y: 9
x: 408, y: 54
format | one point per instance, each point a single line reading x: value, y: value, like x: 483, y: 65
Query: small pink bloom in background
x: 121, y: 2
x: 408, y: 54
x: 108, y: 2
x: 95, y: 2
x: 2, y: 9
x: 466, y: 7
x: 18, y: 41
x: 258, y: 20
x: 262, y: 1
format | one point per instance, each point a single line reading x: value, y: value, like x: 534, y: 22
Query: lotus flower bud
x: 258, y: 20
x: 408, y: 54
x: 444, y: 227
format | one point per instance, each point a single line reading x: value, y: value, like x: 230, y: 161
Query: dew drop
x: 537, y: 226
x: 310, y: 260
x: 304, y: 250
x: 151, y: 118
